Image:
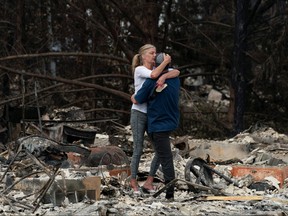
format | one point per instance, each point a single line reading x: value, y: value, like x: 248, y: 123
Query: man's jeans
x: 161, y: 143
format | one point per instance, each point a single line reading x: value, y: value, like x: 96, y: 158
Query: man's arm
x: 144, y: 92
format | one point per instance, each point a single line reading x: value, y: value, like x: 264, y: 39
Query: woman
x: 143, y: 67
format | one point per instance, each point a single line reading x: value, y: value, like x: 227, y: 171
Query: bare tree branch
x: 62, y: 54
x: 72, y: 82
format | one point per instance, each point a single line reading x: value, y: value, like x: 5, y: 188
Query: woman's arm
x: 171, y: 74
x: 158, y: 70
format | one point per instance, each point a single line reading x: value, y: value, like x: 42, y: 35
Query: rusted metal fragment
x: 106, y: 155
x: 103, y: 155
x: 261, y: 172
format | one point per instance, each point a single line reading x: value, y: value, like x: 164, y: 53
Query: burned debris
x: 69, y: 165
x: 34, y: 162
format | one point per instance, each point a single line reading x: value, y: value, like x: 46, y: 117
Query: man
x: 163, y: 118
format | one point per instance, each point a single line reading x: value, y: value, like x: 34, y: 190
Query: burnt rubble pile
x: 68, y: 167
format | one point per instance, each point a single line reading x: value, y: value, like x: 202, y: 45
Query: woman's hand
x: 167, y: 58
x: 133, y: 99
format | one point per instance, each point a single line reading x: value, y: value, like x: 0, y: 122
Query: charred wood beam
x: 44, y: 190
x: 107, y: 109
x: 39, y: 163
x: 38, y: 107
x: 10, y: 164
x: 20, y: 203
x: 221, y: 175
x: 74, y: 121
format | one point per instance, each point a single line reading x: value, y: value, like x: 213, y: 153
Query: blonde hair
x: 137, y: 59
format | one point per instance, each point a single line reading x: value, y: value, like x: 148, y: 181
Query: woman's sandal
x: 136, y: 192
x: 147, y: 191
x: 135, y: 187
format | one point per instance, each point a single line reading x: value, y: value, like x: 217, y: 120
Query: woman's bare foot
x: 148, y: 185
x: 134, y: 185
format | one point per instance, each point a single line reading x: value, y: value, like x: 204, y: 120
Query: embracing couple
x: 155, y: 110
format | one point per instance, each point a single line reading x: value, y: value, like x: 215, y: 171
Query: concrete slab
x: 75, y: 189
x: 219, y: 151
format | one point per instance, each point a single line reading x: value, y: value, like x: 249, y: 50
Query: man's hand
x: 161, y: 80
